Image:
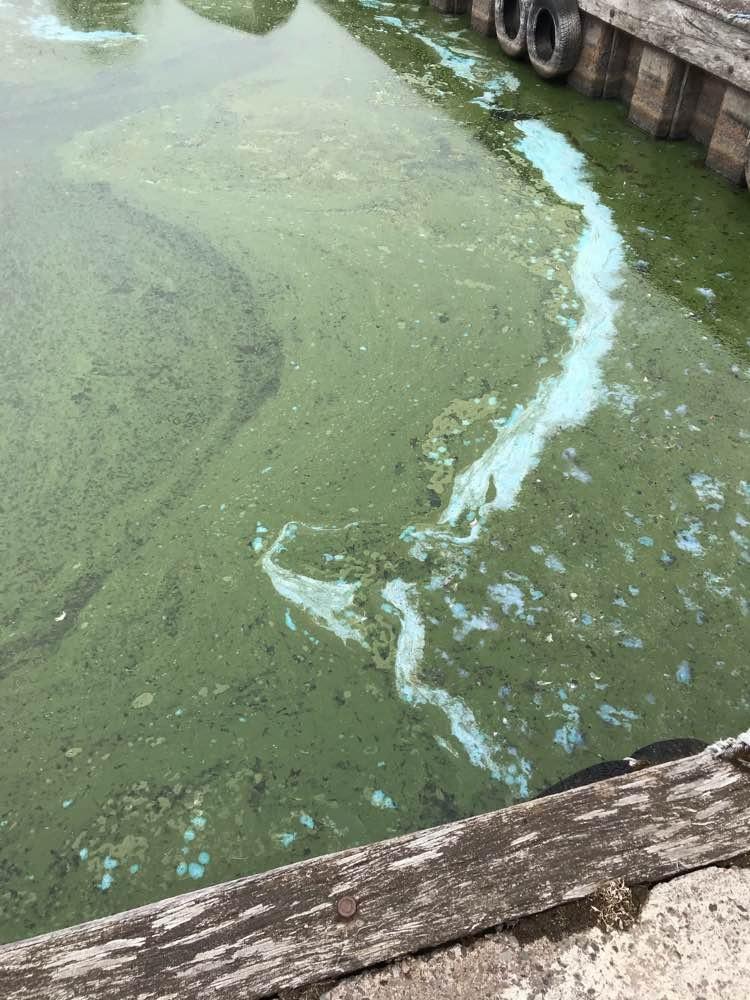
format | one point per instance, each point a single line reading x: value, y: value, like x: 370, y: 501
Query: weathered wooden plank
x: 657, y: 91
x: 717, y: 45
x: 254, y: 936
x: 728, y: 149
x: 732, y: 11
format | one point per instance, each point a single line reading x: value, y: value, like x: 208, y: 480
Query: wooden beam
x: 293, y: 926
x: 696, y: 36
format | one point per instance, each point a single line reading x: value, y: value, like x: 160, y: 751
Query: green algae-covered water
x: 374, y: 439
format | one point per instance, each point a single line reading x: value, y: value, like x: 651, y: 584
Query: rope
x: 733, y: 748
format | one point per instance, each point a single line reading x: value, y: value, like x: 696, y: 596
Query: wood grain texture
x: 694, y: 33
x: 728, y: 149
x: 657, y: 92
x: 252, y: 937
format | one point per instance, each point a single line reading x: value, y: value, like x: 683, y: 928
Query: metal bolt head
x: 346, y: 907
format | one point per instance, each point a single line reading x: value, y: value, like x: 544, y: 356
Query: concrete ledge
x: 690, y: 939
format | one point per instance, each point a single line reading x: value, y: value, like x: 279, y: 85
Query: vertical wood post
x: 687, y: 101
x: 727, y: 151
x: 617, y: 65
x: 630, y: 72
x: 483, y: 17
x: 707, y: 109
x: 656, y: 92
x: 450, y: 6
x: 590, y: 71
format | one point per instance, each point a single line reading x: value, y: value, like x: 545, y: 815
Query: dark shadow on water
x: 258, y: 17
x: 100, y: 15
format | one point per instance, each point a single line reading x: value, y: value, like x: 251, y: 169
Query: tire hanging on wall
x: 510, y: 25
x: 553, y: 36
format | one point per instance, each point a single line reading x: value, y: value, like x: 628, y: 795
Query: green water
x: 267, y: 263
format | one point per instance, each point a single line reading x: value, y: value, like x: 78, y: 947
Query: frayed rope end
x: 732, y: 748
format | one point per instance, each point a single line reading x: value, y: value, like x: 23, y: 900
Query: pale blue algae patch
x: 286, y: 839
x: 632, y: 642
x: 382, y: 801
x: 684, y: 673
x: 569, y: 735
x: 687, y: 539
x: 553, y: 563
x: 617, y: 716
x: 708, y: 490
x: 307, y: 821
x: 50, y: 28
x: 289, y: 621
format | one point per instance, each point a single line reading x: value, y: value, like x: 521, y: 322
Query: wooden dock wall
x: 322, y: 918
x: 682, y: 67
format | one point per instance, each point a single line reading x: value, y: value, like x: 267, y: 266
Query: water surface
x: 374, y: 440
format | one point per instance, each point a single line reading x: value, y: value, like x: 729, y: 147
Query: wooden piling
x: 656, y: 92
x: 483, y: 17
x: 450, y: 6
x: 707, y: 109
x: 728, y: 149
x: 590, y: 73
x: 687, y: 101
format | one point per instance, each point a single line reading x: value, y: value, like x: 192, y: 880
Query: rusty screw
x: 346, y: 907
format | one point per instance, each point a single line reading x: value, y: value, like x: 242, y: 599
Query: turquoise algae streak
x: 561, y: 401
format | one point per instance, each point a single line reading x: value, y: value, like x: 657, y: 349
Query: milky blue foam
x: 684, y: 673
x: 464, y: 727
x: 562, y: 401
x: 617, y: 716
x: 328, y: 602
x: 566, y: 399
x: 382, y: 801
x: 51, y: 28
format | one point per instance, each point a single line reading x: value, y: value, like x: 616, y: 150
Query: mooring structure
x: 682, y: 67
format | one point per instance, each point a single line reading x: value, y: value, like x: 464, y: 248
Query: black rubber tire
x: 553, y: 36
x: 510, y: 26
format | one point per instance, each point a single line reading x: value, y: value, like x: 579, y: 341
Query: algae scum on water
x: 374, y: 440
